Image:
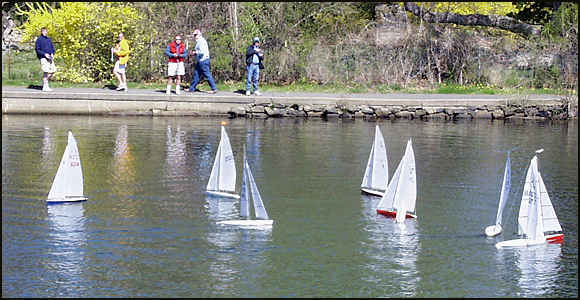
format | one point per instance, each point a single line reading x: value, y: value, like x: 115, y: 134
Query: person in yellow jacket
x: 121, y: 50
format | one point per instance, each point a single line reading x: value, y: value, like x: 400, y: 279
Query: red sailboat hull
x: 393, y: 214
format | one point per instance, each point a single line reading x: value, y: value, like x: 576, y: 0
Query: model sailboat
x: 377, y: 172
x: 250, y: 190
x: 68, y: 182
x: 401, y: 195
x: 505, y: 190
x: 222, y: 181
x: 537, y: 220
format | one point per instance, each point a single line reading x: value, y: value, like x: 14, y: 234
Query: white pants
x: 46, y: 66
x: 175, y: 68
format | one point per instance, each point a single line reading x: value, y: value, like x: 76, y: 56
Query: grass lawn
x: 21, y: 68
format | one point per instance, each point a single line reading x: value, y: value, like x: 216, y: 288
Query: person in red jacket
x: 176, y: 52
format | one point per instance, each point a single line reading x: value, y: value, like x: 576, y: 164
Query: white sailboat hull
x: 520, y: 243
x: 252, y: 223
x: 373, y: 192
x: 223, y: 194
x: 67, y: 199
x: 493, y: 230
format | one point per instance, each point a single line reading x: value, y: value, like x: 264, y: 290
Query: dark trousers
x: 202, y: 69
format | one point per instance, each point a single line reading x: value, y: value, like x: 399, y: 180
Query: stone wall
x: 562, y: 111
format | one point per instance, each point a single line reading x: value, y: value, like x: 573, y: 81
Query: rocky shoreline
x: 561, y: 111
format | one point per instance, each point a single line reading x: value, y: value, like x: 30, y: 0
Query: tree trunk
x: 501, y: 22
x: 235, y: 34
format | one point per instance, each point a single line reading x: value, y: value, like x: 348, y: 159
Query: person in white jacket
x: 202, y: 68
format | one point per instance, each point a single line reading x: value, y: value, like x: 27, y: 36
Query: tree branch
x: 501, y: 22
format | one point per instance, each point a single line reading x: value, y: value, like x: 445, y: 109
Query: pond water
x: 148, y: 229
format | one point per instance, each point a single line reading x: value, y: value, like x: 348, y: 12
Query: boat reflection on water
x: 124, y: 173
x: 538, y: 268
x: 237, y: 259
x: 175, y: 166
x: 48, y: 149
x: 68, y: 243
x: 392, y: 248
x: 221, y: 208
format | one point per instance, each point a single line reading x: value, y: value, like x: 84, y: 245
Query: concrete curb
x: 94, y: 101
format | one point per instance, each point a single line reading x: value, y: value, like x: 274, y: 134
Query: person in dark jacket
x: 254, y: 57
x: 45, y: 52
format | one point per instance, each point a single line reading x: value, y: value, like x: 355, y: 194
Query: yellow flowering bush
x: 83, y: 34
x: 467, y: 8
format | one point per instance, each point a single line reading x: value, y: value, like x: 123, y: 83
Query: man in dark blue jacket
x: 254, y: 57
x: 45, y: 52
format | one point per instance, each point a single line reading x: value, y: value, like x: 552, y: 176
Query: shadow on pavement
x: 35, y: 87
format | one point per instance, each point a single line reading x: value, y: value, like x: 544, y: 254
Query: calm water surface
x: 148, y: 229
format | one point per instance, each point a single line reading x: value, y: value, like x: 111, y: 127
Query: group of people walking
x: 176, y: 53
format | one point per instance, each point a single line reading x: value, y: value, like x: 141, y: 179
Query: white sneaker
x: 45, y: 88
x: 247, y: 93
x: 257, y: 93
x: 177, y: 90
x: 168, y: 90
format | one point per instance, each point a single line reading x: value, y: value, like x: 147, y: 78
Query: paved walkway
x: 31, y: 100
x: 220, y: 96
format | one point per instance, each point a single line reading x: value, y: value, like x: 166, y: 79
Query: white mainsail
x: 68, y: 182
x: 534, y: 227
x: 245, y: 194
x: 401, y: 193
x: 407, y: 188
x: 548, y: 215
x: 377, y: 172
x: 223, y: 173
x: 505, y: 189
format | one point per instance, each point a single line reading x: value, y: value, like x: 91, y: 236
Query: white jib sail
x: 549, y: 219
x: 245, y: 194
x: 69, y: 176
x: 223, y: 173
x: 388, y: 199
x: 505, y: 190
x: 377, y: 172
x: 259, y: 208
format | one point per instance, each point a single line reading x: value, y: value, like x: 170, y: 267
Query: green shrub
x: 83, y: 33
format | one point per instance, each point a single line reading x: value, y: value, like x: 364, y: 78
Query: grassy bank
x: 23, y: 69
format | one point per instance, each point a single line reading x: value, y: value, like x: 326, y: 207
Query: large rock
x: 258, y: 109
x: 382, y: 112
x: 314, y: 114
x: 436, y: 116
x: 405, y: 114
x: 365, y: 109
x: 498, y: 114
x: 273, y: 112
x: 483, y: 114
